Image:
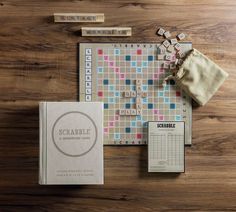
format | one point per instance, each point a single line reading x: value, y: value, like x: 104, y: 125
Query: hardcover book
x: 71, y: 143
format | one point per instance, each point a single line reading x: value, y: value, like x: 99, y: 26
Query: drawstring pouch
x: 199, y: 77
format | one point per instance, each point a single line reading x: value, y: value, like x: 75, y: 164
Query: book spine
x: 42, y: 142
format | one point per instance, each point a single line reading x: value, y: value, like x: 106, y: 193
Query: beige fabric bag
x: 199, y: 77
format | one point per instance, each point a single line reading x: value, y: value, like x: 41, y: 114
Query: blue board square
x: 127, y: 130
x: 133, y: 123
x: 150, y: 106
x: 117, y: 94
x: 139, y: 70
x: 133, y: 87
x: 150, y: 58
x: 145, y: 124
x: 111, y: 100
x: 127, y: 82
x: 116, y: 136
x: 138, y: 118
x: 127, y: 58
x: 132, y: 100
x: 144, y: 64
x: 111, y: 88
x: 150, y: 82
x: 100, y: 69
x: 166, y: 100
x: 117, y: 51
x: 172, y: 106
x: 145, y: 87
x: 127, y: 105
x: 160, y: 94
x: 105, y: 81
x: 133, y: 64
x: 105, y: 106
x: 178, y: 118
x: 145, y: 100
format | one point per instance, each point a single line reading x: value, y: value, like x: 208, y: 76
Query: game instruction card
x: 166, y: 146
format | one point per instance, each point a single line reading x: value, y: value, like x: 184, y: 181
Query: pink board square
x: 156, y: 111
x: 106, y: 58
x: 117, y: 70
x: 105, y: 130
x: 111, y: 64
x: 155, y: 76
x: 161, y: 70
x: 122, y: 76
x: 161, y: 118
x: 111, y: 124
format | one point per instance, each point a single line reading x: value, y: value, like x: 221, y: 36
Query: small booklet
x: 166, y: 146
x: 71, y: 143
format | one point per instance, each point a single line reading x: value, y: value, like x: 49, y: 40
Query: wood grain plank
x: 38, y: 62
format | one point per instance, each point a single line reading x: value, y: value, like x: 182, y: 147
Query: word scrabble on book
x: 71, y: 143
x: 128, y: 78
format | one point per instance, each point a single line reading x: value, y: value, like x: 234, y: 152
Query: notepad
x: 166, y: 146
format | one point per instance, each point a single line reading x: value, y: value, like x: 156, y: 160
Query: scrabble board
x: 113, y: 73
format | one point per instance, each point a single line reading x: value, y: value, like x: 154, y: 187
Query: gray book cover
x: 71, y: 143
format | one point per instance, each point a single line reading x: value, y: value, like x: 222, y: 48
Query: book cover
x: 71, y: 143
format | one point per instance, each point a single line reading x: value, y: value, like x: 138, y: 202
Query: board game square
x: 144, y: 64
x: 105, y: 82
x: 116, y: 136
x: 133, y: 64
x: 139, y: 136
x: 138, y: 69
x: 127, y: 105
x: 172, y: 106
x: 150, y: 58
x: 150, y: 82
x: 100, y: 52
x: 127, y: 81
x: 117, y: 51
x: 150, y: 106
x: 100, y: 93
x: 178, y: 93
x: 127, y: 129
x: 178, y: 118
x: 139, y: 51
x: 106, y: 106
x: 127, y: 57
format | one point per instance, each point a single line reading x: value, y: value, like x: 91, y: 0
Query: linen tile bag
x: 199, y: 77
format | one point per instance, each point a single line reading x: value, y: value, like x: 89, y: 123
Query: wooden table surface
x: 38, y: 62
